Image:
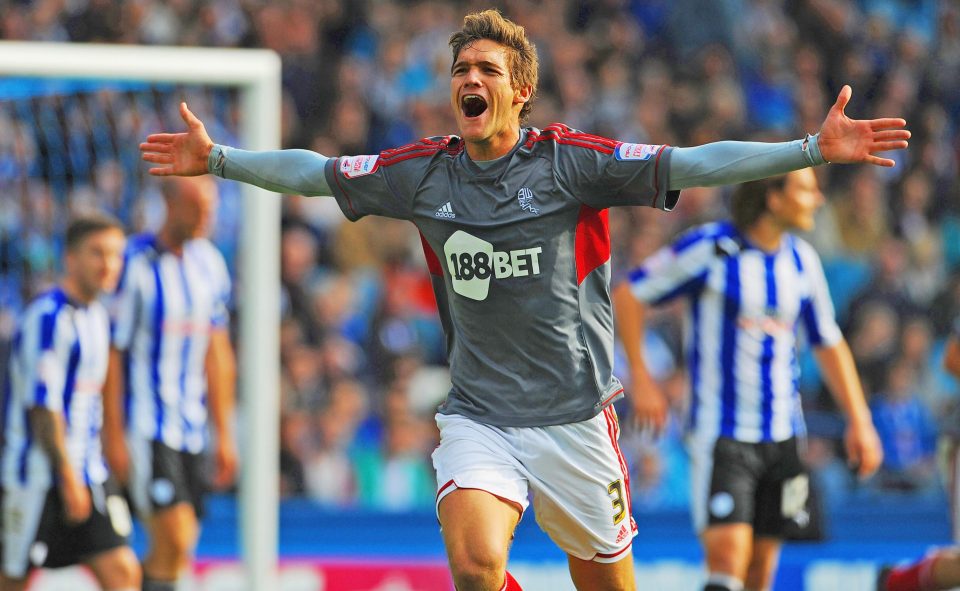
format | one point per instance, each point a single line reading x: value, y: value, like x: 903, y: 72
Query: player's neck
x: 170, y: 241
x: 75, y: 292
x: 495, y: 146
x: 765, y: 234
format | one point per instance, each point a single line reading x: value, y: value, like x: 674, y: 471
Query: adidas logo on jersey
x: 445, y: 211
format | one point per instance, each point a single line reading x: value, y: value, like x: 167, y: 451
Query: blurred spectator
x: 908, y: 432
x: 396, y: 475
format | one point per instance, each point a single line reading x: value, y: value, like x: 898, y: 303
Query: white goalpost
x: 256, y: 73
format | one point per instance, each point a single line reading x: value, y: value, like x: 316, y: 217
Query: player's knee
x: 128, y: 571
x: 120, y: 570
x: 477, y: 569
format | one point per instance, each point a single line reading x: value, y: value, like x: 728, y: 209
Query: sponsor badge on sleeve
x: 356, y: 166
x: 637, y: 151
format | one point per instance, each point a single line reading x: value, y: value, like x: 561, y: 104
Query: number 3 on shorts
x: 615, y: 489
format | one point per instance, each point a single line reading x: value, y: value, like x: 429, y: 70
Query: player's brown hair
x: 521, y: 57
x: 749, y: 201
x: 87, y: 224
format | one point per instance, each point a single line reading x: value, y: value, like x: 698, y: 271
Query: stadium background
x: 361, y: 347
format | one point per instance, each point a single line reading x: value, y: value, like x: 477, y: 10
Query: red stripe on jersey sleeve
x: 592, y: 242
x: 424, y: 147
x: 656, y: 174
x: 595, y: 138
x: 585, y: 144
x: 564, y: 135
x: 407, y: 156
x: 346, y: 195
x: 433, y: 262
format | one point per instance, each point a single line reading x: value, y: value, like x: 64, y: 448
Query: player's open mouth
x: 473, y: 105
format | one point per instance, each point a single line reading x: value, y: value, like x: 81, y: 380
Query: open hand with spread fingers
x: 846, y: 141
x: 179, y: 154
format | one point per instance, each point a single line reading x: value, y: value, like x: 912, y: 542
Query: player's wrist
x: 811, y: 150
x: 216, y: 159
x: 860, y: 420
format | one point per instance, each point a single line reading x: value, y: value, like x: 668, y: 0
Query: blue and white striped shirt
x: 58, y: 362
x: 745, y: 306
x: 163, y: 313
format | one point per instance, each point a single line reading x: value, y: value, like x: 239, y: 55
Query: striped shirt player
x: 750, y: 286
x: 745, y: 306
x: 58, y: 362
x: 163, y: 313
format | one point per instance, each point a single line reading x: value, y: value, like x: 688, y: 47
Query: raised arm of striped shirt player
x: 840, y: 140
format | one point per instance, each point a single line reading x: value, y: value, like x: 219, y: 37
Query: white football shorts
x: 575, y: 472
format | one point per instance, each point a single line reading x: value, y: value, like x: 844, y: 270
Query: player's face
x: 796, y: 205
x: 94, y: 264
x: 191, y: 211
x: 486, y: 105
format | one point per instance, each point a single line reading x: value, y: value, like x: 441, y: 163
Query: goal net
x: 71, y: 119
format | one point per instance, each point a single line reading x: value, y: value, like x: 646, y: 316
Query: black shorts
x: 763, y: 484
x: 162, y: 477
x: 36, y: 534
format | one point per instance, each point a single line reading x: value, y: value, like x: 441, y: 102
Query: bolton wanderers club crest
x: 525, y: 196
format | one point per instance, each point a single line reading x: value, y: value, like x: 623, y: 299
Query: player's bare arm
x: 864, y: 451
x: 114, y: 440
x: 649, y: 403
x: 48, y: 427
x: 221, y: 387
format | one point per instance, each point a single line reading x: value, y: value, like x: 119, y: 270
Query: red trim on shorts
x: 613, y: 429
x: 592, y: 240
x: 433, y: 262
x: 615, y: 554
x: 510, y: 502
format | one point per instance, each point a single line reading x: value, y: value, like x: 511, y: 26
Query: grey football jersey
x: 520, y: 258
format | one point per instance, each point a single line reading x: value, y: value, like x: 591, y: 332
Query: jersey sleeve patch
x: 636, y: 151
x: 357, y: 166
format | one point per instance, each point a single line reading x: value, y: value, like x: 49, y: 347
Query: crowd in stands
x: 362, y: 350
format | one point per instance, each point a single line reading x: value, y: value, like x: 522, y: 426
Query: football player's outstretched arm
x: 841, y: 140
x: 193, y: 153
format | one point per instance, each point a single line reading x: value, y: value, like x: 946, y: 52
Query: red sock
x: 915, y: 577
x: 510, y: 584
